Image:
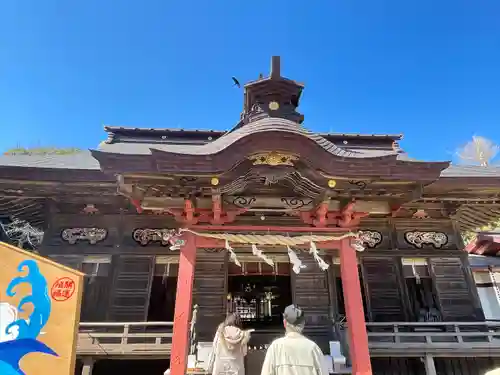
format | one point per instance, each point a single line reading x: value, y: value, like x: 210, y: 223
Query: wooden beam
x: 216, y: 209
x: 183, y: 305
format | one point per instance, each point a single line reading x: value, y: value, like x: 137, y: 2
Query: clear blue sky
x: 429, y: 69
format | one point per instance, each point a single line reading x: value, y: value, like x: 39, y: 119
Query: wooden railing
x: 132, y: 339
x: 154, y: 339
x: 438, y: 338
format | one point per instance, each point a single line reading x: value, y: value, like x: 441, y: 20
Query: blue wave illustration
x: 11, y: 352
x: 39, y: 298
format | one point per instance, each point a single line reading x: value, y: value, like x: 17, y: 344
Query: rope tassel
x: 314, y: 251
x: 260, y: 254
x: 294, y: 259
x: 357, y: 244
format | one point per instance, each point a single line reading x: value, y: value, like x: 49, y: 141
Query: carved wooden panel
x: 378, y: 231
x: 131, y: 287
x: 383, y: 290
x: 415, y: 234
x: 456, y: 300
x: 311, y: 293
x: 420, y: 239
x: 92, y: 235
x: 210, y: 292
x: 56, y: 235
x: 370, y: 238
x: 145, y: 221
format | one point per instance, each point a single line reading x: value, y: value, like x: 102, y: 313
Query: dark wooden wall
x: 397, y: 366
x: 210, y: 291
x: 132, y: 265
x: 444, y: 366
x: 386, y: 296
x: 310, y: 291
x: 465, y: 366
x: 386, y: 292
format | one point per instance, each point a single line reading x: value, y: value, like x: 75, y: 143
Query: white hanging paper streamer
x: 259, y: 254
x: 415, y: 272
x: 294, y: 259
x: 314, y: 251
x: 232, y: 255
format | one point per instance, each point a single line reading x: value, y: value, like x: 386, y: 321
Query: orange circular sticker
x: 62, y: 289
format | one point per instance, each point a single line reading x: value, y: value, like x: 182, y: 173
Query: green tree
x: 470, y: 235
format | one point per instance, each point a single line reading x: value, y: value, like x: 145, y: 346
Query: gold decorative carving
x: 418, y: 239
x: 90, y: 209
x: 165, y: 236
x: 93, y: 235
x: 420, y: 214
x: 273, y: 158
x: 370, y: 238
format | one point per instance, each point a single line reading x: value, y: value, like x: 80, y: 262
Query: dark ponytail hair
x: 232, y: 320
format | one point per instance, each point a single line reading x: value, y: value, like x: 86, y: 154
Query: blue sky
x: 428, y: 69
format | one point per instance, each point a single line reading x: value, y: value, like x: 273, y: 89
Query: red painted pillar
x: 358, y: 338
x: 183, y: 305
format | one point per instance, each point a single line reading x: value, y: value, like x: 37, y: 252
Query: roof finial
x: 275, y: 67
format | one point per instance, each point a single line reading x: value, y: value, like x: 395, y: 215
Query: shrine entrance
x: 259, y: 293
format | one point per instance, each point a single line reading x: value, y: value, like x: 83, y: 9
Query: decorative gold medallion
x: 332, y: 184
x: 274, y: 106
x: 273, y: 158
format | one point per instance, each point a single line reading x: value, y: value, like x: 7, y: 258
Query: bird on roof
x: 236, y: 82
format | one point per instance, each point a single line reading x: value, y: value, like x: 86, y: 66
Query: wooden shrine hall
x: 364, y: 238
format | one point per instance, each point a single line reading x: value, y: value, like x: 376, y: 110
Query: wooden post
x: 358, y: 338
x: 88, y: 366
x: 183, y: 305
x: 430, y: 367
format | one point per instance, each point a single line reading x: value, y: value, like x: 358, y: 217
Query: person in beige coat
x: 294, y: 354
x: 229, y: 348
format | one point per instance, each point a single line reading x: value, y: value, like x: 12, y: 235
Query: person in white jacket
x: 229, y: 348
x: 294, y: 354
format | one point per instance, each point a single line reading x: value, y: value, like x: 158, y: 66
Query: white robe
x: 229, y: 351
x: 294, y: 354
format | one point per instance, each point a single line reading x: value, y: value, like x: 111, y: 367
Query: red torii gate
x: 360, y: 356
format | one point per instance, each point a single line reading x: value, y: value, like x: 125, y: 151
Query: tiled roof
x: 259, y: 126
x: 85, y: 161
x: 470, y: 171
x: 218, y: 133
x: 81, y: 160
